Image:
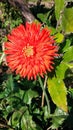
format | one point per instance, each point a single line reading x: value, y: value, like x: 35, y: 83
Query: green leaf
x: 10, y: 83
x: 61, y: 69
x: 69, y: 0
x: 58, y: 118
x: 68, y: 56
x: 59, y: 6
x: 29, y: 95
x: 67, y: 20
x: 67, y: 45
x: 43, y: 17
x: 16, y: 116
x: 70, y: 65
x: 9, y: 86
x: 53, y: 30
x: 71, y: 92
x: 66, y: 62
x: 2, y: 95
x: 46, y: 114
x: 59, y: 37
x: 14, y: 120
x: 27, y: 122
x: 58, y: 92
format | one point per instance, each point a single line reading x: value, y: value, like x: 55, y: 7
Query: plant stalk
x: 45, y: 94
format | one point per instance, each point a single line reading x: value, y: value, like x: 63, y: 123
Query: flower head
x: 30, y: 50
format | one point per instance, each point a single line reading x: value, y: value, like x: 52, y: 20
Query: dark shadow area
x: 68, y: 123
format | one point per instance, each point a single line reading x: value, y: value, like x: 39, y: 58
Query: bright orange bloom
x: 30, y: 50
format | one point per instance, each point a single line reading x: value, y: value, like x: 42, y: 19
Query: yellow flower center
x: 28, y: 51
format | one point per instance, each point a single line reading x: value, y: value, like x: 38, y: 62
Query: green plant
x: 45, y: 103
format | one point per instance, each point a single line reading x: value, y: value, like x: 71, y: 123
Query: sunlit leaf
x: 66, y: 45
x: 68, y: 56
x: 70, y: 65
x: 59, y: 6
x: 59, y: 37
x: 67, y: 20
x: 66, y: 62
x: 58, y: 92
x: 61, y: 69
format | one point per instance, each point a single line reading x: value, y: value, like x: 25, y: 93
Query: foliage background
x: 20, y: 99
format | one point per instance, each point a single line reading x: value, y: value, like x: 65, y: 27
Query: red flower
x: 30, y: 50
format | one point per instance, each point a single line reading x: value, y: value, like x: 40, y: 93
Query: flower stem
x: 46, y: 97
x: 45, y: 81
x: 2, y: 57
